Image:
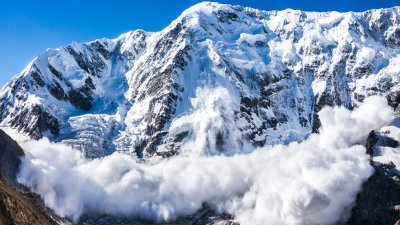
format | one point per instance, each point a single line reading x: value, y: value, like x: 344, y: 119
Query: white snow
x: 385, y: 154
x: 308, y: 183
x: 216, y: 55
x: 299, y: 54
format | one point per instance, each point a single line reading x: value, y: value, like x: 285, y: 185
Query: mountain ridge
x: 130, y: 89
x: 252, y: 77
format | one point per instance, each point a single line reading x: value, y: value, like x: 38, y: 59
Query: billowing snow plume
x: 211, y: 126
x: 312, y: 182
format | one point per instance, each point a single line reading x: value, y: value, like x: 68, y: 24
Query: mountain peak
x: 207, y: 11
x: 207, y: 7
x: 131, y: 89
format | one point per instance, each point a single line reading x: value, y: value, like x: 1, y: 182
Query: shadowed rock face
x: 205, y: 216
x: 379, y: 201
x: 34, y: 121
x: 10, y: 154
x: 21, y: 208
x: 283, y: 66
x: 280, y: 90
x: 16, y: 206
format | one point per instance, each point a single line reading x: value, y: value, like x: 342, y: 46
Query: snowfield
x: 260, y: 114
x: 280, y: 68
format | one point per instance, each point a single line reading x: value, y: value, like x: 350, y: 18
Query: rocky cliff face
x: 378, y: 202
x: 16, y: 205
x: 204, y: 216
x: 280, y: 66
x: 10, y: 158
x: 134, y: 94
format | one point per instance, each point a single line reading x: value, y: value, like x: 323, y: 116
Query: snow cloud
x: 312, y: 182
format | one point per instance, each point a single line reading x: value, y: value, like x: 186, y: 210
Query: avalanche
x: 260, y: 114
x: 312, y: 182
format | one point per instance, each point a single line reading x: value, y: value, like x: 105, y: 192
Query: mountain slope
x: 16, y: 206
x: 132, y: 94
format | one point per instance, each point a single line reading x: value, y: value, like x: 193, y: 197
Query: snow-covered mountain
x: 135, y: 93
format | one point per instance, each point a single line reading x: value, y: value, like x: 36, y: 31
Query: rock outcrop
x: 17, y: 205
x: 281, y: 67
x: 379, y: 201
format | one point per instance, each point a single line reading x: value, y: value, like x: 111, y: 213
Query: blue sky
x: 29, y: 27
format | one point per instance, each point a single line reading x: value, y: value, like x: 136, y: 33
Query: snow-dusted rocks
x: 133, y: 93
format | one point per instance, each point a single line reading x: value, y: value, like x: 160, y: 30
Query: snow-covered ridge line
x: 280, y: 68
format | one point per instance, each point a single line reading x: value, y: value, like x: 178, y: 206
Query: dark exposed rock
x: 316, y: 122
x: 10, y: 154
x: 162, y: 46
x: 219, y: 140
x: 260, y: 44
x: 17, y: 206
x: 79, y: 100
x: 89, y: 83
x: 281, y: 94
x: 79, y: 58
x: 179, y: 137
x: 249, y: 102
x: 272, y: 122
x: 101, y: 49
x: 271, y: 90
x: 56, y: 90
x: 139, y: 148
x: 36, y: 75
x: 386, y: 141
x: 394, y: 38
x: 379, y: 201
x: 393, y: 99
x: 206, y: 216
x: 154, y: 141
x: 15, y: 86
x: 359, y: 98
x: 55, y: 72
x: 93, y: 65
x: 156, y: 124
x: 173, y: 145
x: 372, y: 139
x: 34, y: 121
x: 21, y: 208
x: 172, y: 151
x: 225, y: 17
x: 303, y: 121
